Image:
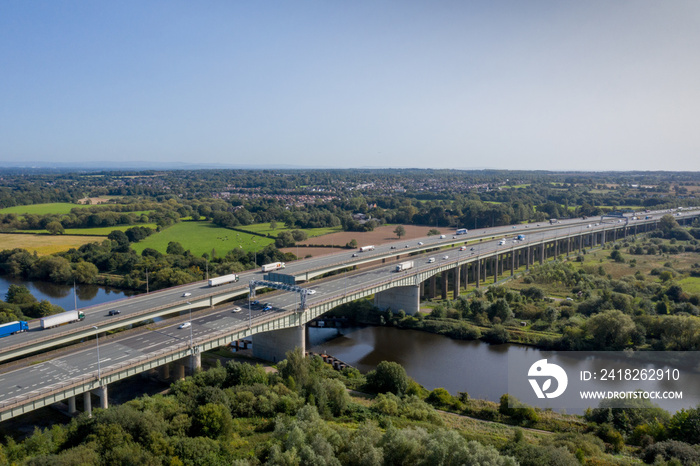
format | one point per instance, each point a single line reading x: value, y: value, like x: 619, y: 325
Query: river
x: 488, y: 371
x: 62, y: 295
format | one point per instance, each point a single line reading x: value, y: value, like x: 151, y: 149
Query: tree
x: 388, y: 377
x: 273, y: 225
x: 400, y: 231
x: 611, y: 329
x: 174, y: 248
x: 55, y: 228
x: 19, y: 294
x: 85, y: 272
x: 352, y: 244
x: 433, y: 232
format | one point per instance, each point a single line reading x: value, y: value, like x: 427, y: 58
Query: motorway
x: 122, y: 349
x: 172, y: 297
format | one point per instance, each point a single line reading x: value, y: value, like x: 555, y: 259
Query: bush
x: 670, y: 449
x: 388, y: 377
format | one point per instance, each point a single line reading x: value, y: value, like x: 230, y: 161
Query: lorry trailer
x: 62, y: 318
x: 366, y: 248
x: 222, y: 280
x: 272, y: 266
x: 11, y: 328
x: 404, y: 266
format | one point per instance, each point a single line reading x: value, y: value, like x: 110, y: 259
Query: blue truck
x: 11, y: 328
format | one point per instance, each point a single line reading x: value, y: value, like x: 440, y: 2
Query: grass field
x: 45, y: 244
x: 42, y: 209
x: 102, y: 231
x: 201, y: 237
x: 264, y: 229
x: 690, y: 285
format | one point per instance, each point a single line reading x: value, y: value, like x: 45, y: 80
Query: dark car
x: 114, y: 312
x: 255, y: 303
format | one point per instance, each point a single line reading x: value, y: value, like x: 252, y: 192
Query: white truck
x: 366, y: 248
x: 222, y: 280
x: 404, y: 266
x: 62, y: 318
x: 272, y: 266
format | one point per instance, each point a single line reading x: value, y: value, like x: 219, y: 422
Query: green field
x: 101, y: 231
x: 264, y: 229
x: 201, y: 237
x: 690, y: 284
x: 42, y: 209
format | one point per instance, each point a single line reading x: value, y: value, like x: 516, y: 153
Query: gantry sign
x: 303, y: 292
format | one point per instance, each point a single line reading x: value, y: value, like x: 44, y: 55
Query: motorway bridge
x: 457, y: 261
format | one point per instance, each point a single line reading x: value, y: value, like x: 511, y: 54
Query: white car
x: 445, y: 257
x: 311, y: 291
x: 502, y: 242
x: 431, y: 260
x: 463, y: 248
x: 589, y: 225
x: 236, y: 309
x: 184, y: 325
x: 186, y: 294
x: 420, y: 243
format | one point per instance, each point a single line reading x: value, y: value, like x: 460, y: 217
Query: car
x: 114, y: 312
x: 569, y: 299
x: 502, y: 242
x: 471, y: 249
x: 463, y: 248
x: 267, y: 308
x: 513, y: 227
x: 431, y: 260
x: 445, y: 257
x: 406, y: 246
x: 186, y: 294
x: 184, y: 325
x: 255, y: 303
x: 443, y: 236
x: 236, y: 309
x: 588, y: 226
x: 354, y: 254
x: 311, y: 291
x: 454, y: 237
x: 393, y: 247
x: 420, y: 243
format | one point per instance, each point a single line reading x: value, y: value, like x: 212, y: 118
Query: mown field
x: 101, y: 231
x: 42, y: 209
x: 264, y: 229
x: 201, y: 237
x: 45, y: 244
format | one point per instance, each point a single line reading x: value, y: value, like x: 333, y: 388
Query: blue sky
x: 555, y: 85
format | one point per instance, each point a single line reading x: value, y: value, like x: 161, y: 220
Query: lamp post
x: 97, y: 341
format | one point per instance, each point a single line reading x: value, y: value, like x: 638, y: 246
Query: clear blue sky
x: 557, y: 85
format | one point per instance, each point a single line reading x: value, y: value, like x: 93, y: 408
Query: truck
x: 62, y: 318
x: 272, y: 266
x: 461, y: 231
x: 366, y: 248
x: 404, y: 266
x: 521, y: 237
x: 11, y: 328
x: 222, y: 280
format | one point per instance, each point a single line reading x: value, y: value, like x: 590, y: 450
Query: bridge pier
x: 179, y: 371
x: 71, y: 405
x: 272, y: 346
x: 478, y: 272
x: 406, y: 298
x: 433, y: 287
x: 455, y: 292
x: 444, y: 284
x: 101, y: 393
x: 87, y: 404
x: 195, y: 362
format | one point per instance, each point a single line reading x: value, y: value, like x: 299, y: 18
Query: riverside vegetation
x: 307, y: 413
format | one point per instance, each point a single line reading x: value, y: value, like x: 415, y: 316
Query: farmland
x: 100, y: 231
x: 45, y: 244
x: 264, y: 229
x: 201, y: 237
x: 42, y: 209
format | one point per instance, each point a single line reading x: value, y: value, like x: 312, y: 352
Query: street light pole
x: 97, y: 340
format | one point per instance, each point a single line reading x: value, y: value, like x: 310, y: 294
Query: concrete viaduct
x: 275, y: 333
